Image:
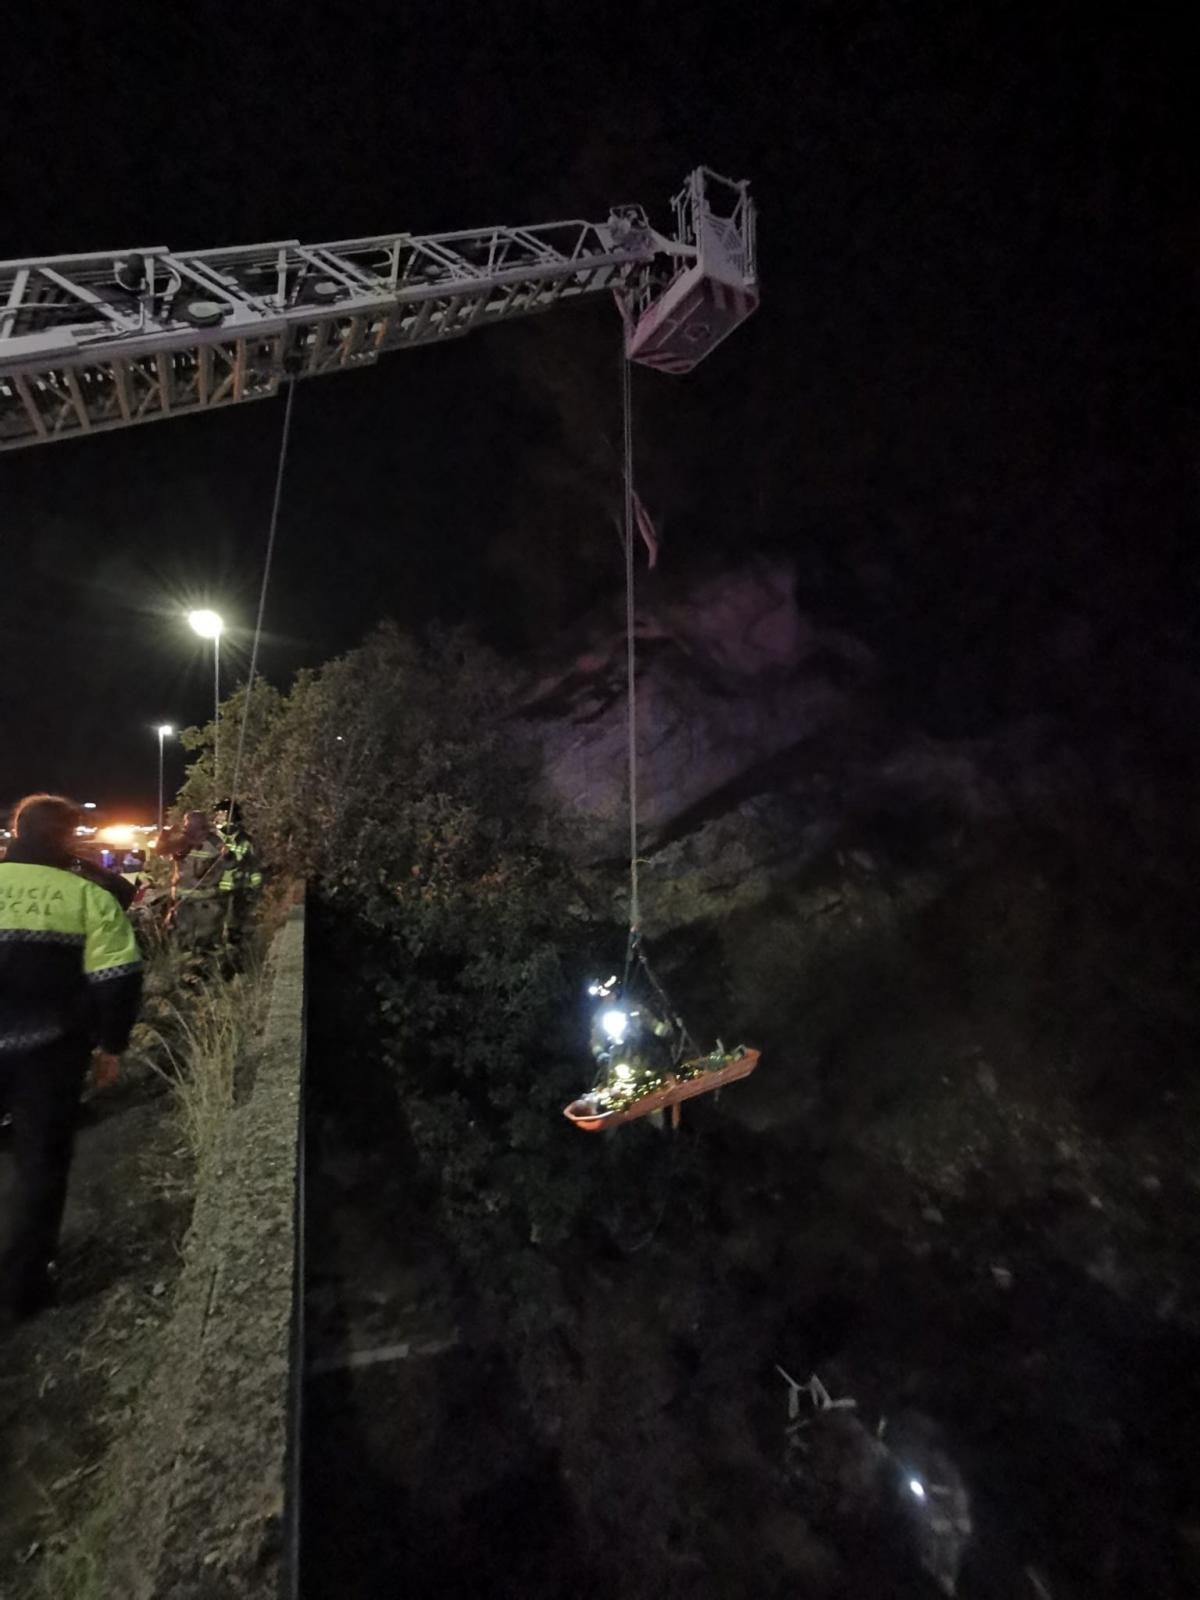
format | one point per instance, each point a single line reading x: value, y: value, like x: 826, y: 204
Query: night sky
x: 973, y: 369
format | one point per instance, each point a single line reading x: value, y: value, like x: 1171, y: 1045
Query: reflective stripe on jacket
x: 241, y: 871
x: 196, y: 874
x: 69, y: 962
x: 231, y: 877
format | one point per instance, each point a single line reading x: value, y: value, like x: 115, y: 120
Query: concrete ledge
x: 209, y: 1510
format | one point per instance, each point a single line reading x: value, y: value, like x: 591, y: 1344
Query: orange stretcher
x: 589, y: 1113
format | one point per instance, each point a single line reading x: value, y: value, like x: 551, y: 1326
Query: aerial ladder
x: 90, y: 343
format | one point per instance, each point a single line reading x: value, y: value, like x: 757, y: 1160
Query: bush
x: 390, y: 780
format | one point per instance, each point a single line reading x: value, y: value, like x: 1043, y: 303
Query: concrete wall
x: 212, y: 1510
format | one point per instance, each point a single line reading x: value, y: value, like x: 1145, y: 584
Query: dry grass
x: 197, y: 1042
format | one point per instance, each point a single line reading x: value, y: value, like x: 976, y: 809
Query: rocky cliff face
x: 765, y: 743
x: 731, y: 676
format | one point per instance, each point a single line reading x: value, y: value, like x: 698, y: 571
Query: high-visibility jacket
x: 69, y: 962
x: 242, y: 871
x: 114, y: 882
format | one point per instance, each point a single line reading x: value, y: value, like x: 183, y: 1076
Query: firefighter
x: 241, y: 881
x: 70, y: 982
x: 630, y: 1043
x: 197, y: 904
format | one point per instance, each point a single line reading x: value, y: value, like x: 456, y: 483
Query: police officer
x: 70, y: 980
x: 118, y: 886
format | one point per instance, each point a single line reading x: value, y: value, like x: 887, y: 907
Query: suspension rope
x: 262, y: 594
x: 634, y: 952
x: 635, y: 914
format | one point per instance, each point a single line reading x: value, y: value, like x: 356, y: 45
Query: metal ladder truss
x: 108, y: 340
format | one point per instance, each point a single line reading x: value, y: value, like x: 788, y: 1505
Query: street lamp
x: 164, y: 731
x: 210, y: 626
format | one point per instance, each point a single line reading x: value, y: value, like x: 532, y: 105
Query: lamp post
x: 164, y: 731
x: 210, y: 626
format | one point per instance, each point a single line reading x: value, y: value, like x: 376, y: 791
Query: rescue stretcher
x: 609, y: 1108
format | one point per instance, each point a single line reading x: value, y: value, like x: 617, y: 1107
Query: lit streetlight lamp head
x: 164, y: 730
x: 206, y: 623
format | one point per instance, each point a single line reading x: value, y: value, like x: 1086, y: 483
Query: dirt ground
x: 70, y: 1378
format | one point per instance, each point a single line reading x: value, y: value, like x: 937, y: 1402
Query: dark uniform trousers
x: 41, y: 1088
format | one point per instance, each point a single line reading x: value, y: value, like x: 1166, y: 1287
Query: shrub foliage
x: 390, y: 780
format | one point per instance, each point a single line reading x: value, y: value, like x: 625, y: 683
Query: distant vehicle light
x: 117, y: 833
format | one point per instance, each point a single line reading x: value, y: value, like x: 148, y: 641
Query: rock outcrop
x: 731, y: 675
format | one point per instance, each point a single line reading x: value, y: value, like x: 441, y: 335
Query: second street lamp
x: 164, y: 731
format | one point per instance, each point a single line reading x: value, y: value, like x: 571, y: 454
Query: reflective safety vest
x: 241, y: 870
x: 69, y: 962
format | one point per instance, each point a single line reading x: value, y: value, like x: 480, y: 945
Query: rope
x: 262, y: 594
x: 633, y: 950
x: 684, y: 1043
x: 635, y: 913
